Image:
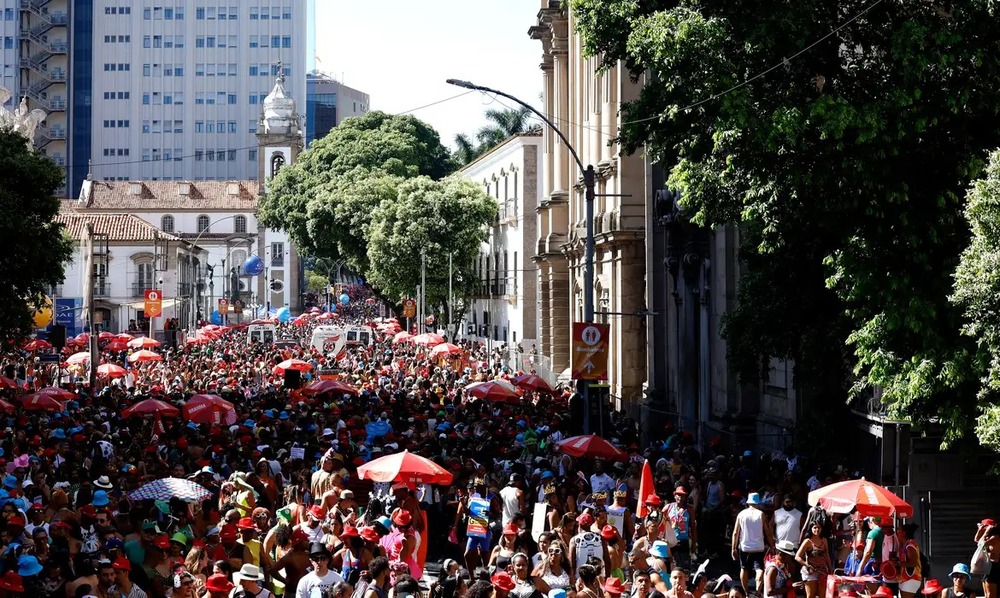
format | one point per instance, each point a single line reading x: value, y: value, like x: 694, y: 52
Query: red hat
x: 585, y: 520
x: 15, y: 521
x: 613, y: 585
x: 350, y: 532
x: 299, y: 535
x: 654, y: 499
x: 88, y: 510
x: 218, y: 583
x: 11, y: 582
x: 122, y: 564
x: 228, y: 533
x: 986, y: 522
x: 368, y: 534
x: 37, y: 507
x: 511, y: 530
x: 931, y: 586
x: 245, y: 523
x: 680, y: 490
x: 162, y: 542
x: 182, y: 442
x: 608, y: 532
x: 883, y: 592
x: 317, y: 512
x: 402, y: 518
x: 502, y: 581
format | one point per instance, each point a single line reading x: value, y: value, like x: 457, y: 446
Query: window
x: 253, y: 99
x: 232, y: 126
x: 220, y: 155
x: 253, y: 44
x: 147, y: 70
x: 231, y: 155
x: 234, y: 13
x: 179, y: 14
x: 145, y: 126
x: 286, y: 41
x: 240, y: 224
x: 275, y: 41
x: 210, y: 41
x: 178, y: 98
x: 178, y: 41
x: 277, y: 254
x: 167, y: 224
x: 253, y: 13
x: 178, y: 153
x: 253, y: 68
x: 199, y: 42
x: 286, y: 13
x: 220, y: 126
x: 277, y: 161
x: 145, y: 99
x: 252, y: 155
x: 157, y: 41
x: 199, y: 155
x: 199, y: 14
x: 231, y: 100
x: 203, y: 223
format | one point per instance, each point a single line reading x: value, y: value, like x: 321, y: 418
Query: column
x: 560, y: 303
x: 545, y: 324
x: 561, y: 92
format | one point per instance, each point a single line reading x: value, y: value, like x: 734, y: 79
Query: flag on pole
x: 646, y: 488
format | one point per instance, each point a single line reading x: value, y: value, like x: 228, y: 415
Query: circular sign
x: 154, y: 296
x: 591, y: 335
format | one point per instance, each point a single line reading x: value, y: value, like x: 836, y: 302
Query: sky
x: 400, y: 52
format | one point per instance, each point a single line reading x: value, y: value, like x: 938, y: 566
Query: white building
x: 504, y: 309
x: 215, y: 219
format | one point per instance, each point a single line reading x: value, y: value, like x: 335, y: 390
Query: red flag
x: 646, y: 488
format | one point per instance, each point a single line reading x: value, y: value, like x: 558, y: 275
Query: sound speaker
x: 293, y: 379
x: 170, y: 339
x: 57, y: 336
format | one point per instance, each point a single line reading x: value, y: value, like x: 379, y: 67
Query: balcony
x: 102, y: 290
x: 185, y: 289
x: 139, y: 289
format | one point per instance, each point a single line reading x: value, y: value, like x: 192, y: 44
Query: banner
x: 479, y: 518
x: 68, y: 314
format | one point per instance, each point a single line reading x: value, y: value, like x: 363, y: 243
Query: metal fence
x: 540, y: 365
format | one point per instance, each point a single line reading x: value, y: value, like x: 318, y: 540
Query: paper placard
x: 298, y: 452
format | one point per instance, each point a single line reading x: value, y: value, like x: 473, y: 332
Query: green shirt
x: 877, y: 537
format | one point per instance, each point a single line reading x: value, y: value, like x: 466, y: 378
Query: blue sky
x: 401, y: 51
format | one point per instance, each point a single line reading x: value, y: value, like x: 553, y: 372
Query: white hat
x: 103, y: 482
x: 786, y: 546
x: 249, y: 572
x: 327, y: 432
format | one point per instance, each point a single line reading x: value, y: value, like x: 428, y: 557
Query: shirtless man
x: 291, y: 567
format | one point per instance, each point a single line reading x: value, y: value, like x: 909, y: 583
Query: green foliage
x: 442, y: 218
x: 316, y: 282
x: 504, y: 124
x: 37, y: 247
x: 844, y: 167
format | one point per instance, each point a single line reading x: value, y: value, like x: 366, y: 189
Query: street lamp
x: 589, y: 179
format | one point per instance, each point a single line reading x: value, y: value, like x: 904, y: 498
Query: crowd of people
x: 283, y: 511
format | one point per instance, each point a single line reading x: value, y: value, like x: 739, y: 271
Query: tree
x: 441, y: 218
x: 36, y: 247
x: 316, y: 282
x: 504, y: 125
x: 466, y: 150
x: 844, y: 167
x: 325, y: 198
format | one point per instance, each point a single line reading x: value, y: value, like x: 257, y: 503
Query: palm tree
x: 505, y: 124
x: 466, y: 151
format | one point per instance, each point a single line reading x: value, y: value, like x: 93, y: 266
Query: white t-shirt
x: 312, y: 581
x: 588, y: 544
x: 511, y: 505
x: 789, y: 524
x: 602, y: 483
x: 751, y: 522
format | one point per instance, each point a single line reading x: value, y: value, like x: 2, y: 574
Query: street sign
x: 409, y: 308
x: 223, y: 306
x: 49, y: 358
x: 590, y: 351
x: 153, y: 305
x: 238, y: 305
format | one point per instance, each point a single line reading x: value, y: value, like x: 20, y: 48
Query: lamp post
x: 589, y: 181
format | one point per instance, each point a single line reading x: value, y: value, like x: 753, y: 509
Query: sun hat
x: 384, y: 522
x: 100, y: 499
x: 501, y: 580
x: 350, y: 532
x: 179, y: 538
x: 218, y: 583
x: 511, y: 530
x: 249, y: 572
x: 882, y: 592
x: 931, y: 586
x: 162, y: 542
x: 660, y: 549
x: 28, y: 565
x: 680, y: 490
x: 753, y: 499
x: 12, y: 582
x: 786, y: 546
x: 608, y: 532
x: 402, y: 518
x: 368, y: 534
x: 318, y: 549
x: 246, y: 523
x: 961, y: 569
x: 317, y: 512
x: 103, y: 482
x: 613, y: 585
x: 585, y: 520
x: 557, y: 593
x: 122, y: 564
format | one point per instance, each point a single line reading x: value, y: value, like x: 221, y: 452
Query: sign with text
x: 590, y: 351
x: 409, y: 308
x: 153, y: 304
x: 479, y: 518
x: 223, y: 306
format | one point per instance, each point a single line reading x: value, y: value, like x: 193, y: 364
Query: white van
x: 261, y: 333
x: 333, y: 339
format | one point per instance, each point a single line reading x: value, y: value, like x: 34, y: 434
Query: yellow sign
x: 409, y: 308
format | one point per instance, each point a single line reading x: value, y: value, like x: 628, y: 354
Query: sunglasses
x: 319, y: 558
x: 555, y: 551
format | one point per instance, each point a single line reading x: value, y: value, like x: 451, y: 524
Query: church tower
x: 279, y: 141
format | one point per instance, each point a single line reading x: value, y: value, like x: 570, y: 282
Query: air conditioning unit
x: 470, y: 330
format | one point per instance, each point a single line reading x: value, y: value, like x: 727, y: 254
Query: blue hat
x: 28, y: 565
x: 748, y: 453
x: 961, y: 569
x: 249, y: 423
x: 547, y: 474
x: 75, y: 430
x: 100, y: 498
x: 660, y: 550
x: 753, y: 499
x: 113, y: 543
x: 384, y: 522
x: 521, y: 423
x: 4, y: 495
x: 192, y: 425
x: 59, y: 432
x: 20, y: 504
x: 557, y: 593
x: 10, y: 482
x: 283, y: 415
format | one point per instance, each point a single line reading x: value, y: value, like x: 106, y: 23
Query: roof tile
x: 165, y: 196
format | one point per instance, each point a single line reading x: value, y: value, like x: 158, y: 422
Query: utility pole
x: 451, y: 317
x: 423, y: 289
x: 155, y: 270
x: 92, y: 344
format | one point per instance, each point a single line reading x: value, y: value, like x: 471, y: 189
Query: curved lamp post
x: 589, y: 180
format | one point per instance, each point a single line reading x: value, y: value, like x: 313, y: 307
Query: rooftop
x: 118, y: 227
x: 228, y: 196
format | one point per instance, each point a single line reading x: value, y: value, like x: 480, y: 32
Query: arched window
x: 203, y: 223
x: 167, y: 224
x: 240, y: 224
x: 277, y: 161
x: 239, y: 256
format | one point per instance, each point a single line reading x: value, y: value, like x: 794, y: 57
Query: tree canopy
x: 503, y: 124
x: 843, y: 156
x: 372, y: 193
x: 37, y: 247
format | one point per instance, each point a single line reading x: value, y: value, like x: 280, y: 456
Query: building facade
x: 328, y: 103
x: 153, y: 91
x: 584, y: 104
x: 504, y: 309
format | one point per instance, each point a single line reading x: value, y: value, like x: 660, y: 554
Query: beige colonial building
x: 584, y: 104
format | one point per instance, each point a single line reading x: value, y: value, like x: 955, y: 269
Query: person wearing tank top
x: 584, y: 546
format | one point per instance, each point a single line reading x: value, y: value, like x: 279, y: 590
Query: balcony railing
x: 102, y: 290
x: 139, y: 289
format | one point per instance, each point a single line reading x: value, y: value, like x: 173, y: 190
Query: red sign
x: 223, y: 306
x: 153, y: 304
x: 590, y: 351
x: 409, y: 308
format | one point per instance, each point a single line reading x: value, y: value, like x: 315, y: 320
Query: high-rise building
x: 328, y: 103
x: 162, y: 90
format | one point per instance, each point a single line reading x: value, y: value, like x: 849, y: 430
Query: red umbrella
x: 124, y: 337
x: 6, y: 382
x: 493, y: 391
x: 646, y: 488
x: 428, y: 339
x: 292, y: 364
x: 144, y: 356
x: 209, y: 409
x: 105, y: 336
x: 38, y: 345
x: 41, y: 402
x: 143, y: 342
x: 116, y: 346
x: 404, y: 467
x: 198, y: 340
x: 150, y: 408
x: 591, y: 446
x: 533, y: 383
x: 7, y: 407
x: 300, y: 321
x: 83, y: 338
x: 110, y: 370
x: 336, y: 386
x: 315, y: 310
x: 446, y: 349
x: 58, y: 394
x: 867, y: 498
x: 402, y: 337
x: 78, y: 358
x: 327, y: 316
